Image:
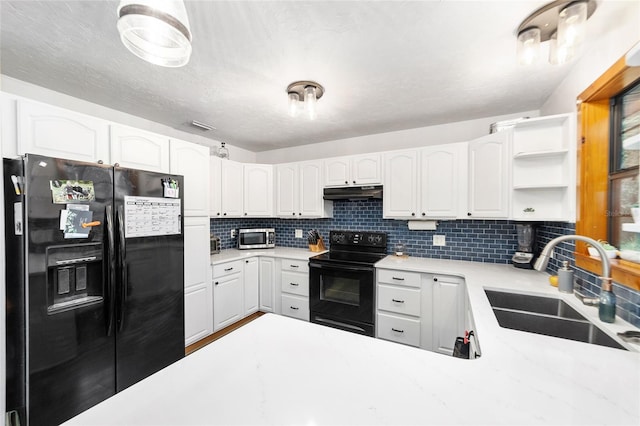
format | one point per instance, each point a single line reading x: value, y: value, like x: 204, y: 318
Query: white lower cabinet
x: 198, y: 313
x: 448, y: 311
x: 228, y: 305
x: 420, y: 309
x: 267, y: 271
x: 293, y: 288
x: 399, y: 329
x: 251, y: 286
x: 198, y: 302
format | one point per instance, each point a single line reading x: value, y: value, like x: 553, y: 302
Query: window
x: 608, y: 166
x: 623, y: 168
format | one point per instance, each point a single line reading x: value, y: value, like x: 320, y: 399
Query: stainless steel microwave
x: 256, y: 238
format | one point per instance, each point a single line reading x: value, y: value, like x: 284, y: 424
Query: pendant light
x: 156, y: 30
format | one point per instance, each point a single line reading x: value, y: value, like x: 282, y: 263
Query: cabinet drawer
x: 295, y: 265
x: 409, y: 279
x: 295, y: 282
x: 295, y: 306
x: 399, y: 299
x: 401, y: 330
x: 228, y: 268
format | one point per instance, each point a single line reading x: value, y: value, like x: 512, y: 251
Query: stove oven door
x: 342, y: 296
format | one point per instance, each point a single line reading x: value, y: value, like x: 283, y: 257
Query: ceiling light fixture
x: 562, y: 23
x: 201, y: 125
x: 304, y: 93
x: 156, y: 31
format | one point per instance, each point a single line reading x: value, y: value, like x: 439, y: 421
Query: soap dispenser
x: 607, y: 306
x: 565, y: 278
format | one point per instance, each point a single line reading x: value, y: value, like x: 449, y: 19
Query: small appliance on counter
x: 524, y: 256
x: 256, y: 238
x: 214, y: 244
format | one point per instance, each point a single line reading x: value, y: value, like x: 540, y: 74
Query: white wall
x: 622, y: 32
x: 412, y: 138
x: 3, y: 375
x: 27, y: 90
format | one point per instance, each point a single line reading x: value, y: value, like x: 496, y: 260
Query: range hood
x: 353, y: 193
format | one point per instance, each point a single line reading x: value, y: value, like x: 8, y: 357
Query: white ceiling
x: 385, y: 66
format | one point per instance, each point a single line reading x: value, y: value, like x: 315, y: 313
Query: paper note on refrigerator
x: 72, y: 218
x: 151, y: 216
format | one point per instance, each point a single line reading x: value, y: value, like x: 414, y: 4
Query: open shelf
x: 540, y: 186
x: 541, y: 154
x: 631, y: 227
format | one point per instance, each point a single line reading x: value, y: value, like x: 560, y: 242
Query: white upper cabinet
x: 354, y: 170
x: 443, y: 181
x: 192, y: 161
x: 400, y: 199
x: 215, y: 193
x: 232, y: 188
x: 137, y: 149
x: 258, y: 190
x: 56, y: 132
x: 489, y: 172
x: 299, y: 191
x: 287, y: 184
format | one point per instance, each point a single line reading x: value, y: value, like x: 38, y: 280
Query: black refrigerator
x: 95, y: 294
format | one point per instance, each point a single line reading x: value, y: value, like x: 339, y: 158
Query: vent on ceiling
x: 202, y: 126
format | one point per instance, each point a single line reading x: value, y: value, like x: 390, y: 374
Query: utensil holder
x: 318, y: 247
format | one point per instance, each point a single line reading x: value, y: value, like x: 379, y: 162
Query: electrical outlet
x: 298, y: 233
x: 233, y: 233
x: 439, y: 240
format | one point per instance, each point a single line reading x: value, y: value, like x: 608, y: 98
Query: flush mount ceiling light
x: 304, y: 93
x: 562, y: 23
x: 156, y: 31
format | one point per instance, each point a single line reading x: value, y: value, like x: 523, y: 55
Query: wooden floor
x: 220, y: 333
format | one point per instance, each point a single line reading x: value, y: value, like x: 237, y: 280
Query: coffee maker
x: 524, y: 256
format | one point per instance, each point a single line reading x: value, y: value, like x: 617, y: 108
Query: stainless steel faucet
x: 543, y: 260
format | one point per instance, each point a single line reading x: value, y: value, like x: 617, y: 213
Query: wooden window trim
x: 593, y: 169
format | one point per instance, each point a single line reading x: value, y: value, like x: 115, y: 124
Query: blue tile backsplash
x: 491, y: 241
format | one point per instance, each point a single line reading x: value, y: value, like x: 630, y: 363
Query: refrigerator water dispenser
x: 74, y: 276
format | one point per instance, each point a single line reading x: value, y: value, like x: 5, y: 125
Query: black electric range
x: 342, y: 281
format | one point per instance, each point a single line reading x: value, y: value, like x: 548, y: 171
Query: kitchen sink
x: 547, y: 316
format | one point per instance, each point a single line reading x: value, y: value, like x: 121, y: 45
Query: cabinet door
x: 267, y: 284
x: 251, y: 285
x: 489, y: 176
x: 56, y: 132
x: 448, y: 312
x: 311, y: 192
x: 258, y: 190
x: 287, y: 190
x: 138, y: 149
x: 443, y: 181
x: 337, y: 171
x: 366, y: 170
x: 215, y: 188
x: 227, y: 300
x: 192, y: 161
x: 400, y: 198
x: 197, y: 280
x: 232, y: 184
x: 198, y: 313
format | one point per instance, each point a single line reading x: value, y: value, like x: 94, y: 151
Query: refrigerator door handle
x: 111, y: 270
x: 123, y: 268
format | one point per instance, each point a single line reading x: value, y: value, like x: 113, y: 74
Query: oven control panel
x: 358, y: 238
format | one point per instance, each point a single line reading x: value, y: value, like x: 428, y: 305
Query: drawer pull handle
x: 397, y: 301
x: 396, y: 330
x: 398, y: 279
x: 294, y: 284
x: 228, y: 269
x: 295, y: 266
x: 295, y: 308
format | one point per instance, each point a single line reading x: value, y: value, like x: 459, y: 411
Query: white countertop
x: 278, y: 370
x: 281, y: 252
